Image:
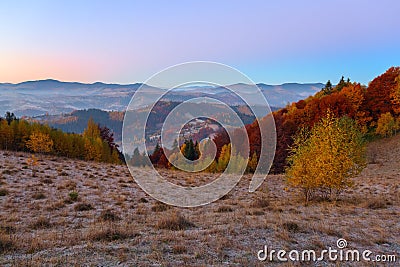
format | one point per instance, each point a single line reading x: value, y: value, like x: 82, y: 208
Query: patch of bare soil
x: 84, y: 213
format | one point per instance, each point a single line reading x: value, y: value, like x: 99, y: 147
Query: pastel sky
x: 128, y: 41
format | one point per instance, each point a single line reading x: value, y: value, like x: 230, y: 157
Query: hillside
x: 111, y: 221
x: 374, y: 108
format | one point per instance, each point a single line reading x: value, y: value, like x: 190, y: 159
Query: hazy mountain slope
x: 34, y: 98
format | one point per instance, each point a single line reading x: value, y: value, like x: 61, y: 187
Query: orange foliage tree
x: 378, y: 95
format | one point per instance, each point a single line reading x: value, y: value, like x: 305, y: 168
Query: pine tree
x: 341, y: 84
x: 190, y: 150
x: 328, y: 88
x: 10, y: 117
x: 136, y: 158
x: 196, y: 151
x: 156, y: 155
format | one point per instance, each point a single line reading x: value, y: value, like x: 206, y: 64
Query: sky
x: 128, y: 41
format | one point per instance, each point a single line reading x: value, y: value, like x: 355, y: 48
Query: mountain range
x: 33, y: 98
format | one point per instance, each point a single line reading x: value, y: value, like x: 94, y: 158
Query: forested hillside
x: 374, y: 108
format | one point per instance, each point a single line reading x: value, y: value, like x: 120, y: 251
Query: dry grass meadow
x: 75, y: 213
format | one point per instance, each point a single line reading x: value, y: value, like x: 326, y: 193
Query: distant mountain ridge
x: 33, y: 98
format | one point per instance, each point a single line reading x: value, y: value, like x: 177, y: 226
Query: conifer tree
x: 328, y: 88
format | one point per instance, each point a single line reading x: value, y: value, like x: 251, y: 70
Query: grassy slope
x: 39, y: 223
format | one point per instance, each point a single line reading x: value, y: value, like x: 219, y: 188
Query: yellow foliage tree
x: 93, y: 149
x: 92, y: 130
x: 212, y: 167
x: 238, y: 164
x: 6, y: 135
x: 252, y: 164
x: 183, y: 148
x: 39, y: 143
x: 224, y: 158
x: 323, y: 160
x: 387, y: 125
x: 93, y: 142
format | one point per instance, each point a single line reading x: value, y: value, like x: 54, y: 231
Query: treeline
x: 96, y: 143
x: 375, y: 109
x: 191, y: 151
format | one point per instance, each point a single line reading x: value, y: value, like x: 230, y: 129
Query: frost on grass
x: 84, y: 213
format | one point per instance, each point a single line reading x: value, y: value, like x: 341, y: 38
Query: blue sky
x: 128, y: 41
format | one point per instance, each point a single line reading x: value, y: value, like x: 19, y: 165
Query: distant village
x: 197, y: 129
